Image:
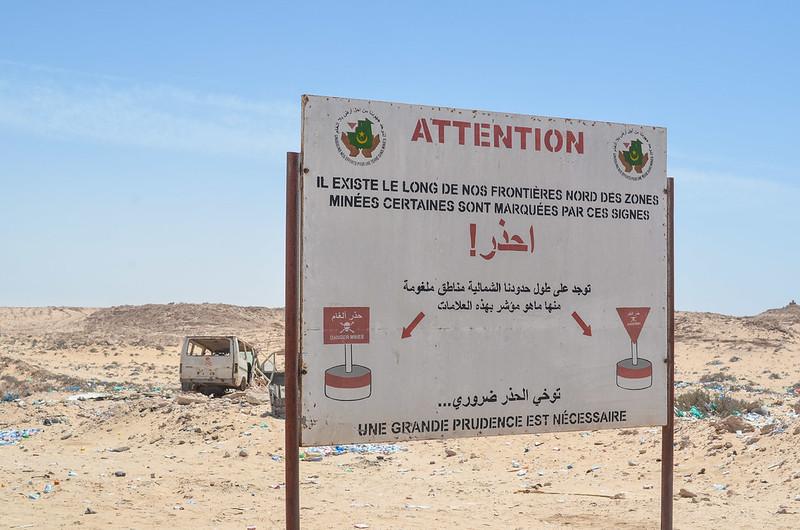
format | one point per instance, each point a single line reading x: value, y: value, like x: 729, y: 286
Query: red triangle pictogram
x: 633, y: 319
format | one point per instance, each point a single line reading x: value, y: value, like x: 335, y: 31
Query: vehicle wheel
x: 186, y: 387
x: 243, y: 384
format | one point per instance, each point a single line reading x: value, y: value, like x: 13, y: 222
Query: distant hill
x: 151, y: 325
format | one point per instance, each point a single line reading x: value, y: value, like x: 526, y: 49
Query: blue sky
x: 132, y: 131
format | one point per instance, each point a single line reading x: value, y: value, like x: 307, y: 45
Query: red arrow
x: 407, y: 330
x: 587, y: 330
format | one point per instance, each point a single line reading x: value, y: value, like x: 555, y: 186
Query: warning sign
x: 346, y: 325
x: 470, y: 273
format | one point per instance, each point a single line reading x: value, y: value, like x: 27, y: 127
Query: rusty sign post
x: 291, y: 344
x: 446, y: 255
x: 668, y: 430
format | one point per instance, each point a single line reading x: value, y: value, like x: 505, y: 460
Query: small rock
x: 243, y: 453
x: 255, y: 398
x: 120, y: 449
x: 89, y: 511
x: 632, y: 463
x: 686, y: 494
x: 184, y: 399
x: 733, y: 424
x: 768, y: 428
x: 449, y: 452
x: 119, y: 473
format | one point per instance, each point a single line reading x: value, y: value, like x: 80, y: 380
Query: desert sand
x: 148, y: 456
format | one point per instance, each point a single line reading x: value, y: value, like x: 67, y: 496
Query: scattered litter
x: 360, y: 525
x: 522, y: 472
x: 89, y: 396
x: 14, y: 436
x: 72, y: 474
x: 48, y: 488
x: 10, y: 396
x: 34, y: 496
x: 720, y: 487
x: 315, y: 454
x: 416, y: 507
x: 276, y: 458
x: 696, y: 413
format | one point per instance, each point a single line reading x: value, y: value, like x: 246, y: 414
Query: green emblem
x: 362, y: 136
x: 633, y: 159
x: 634, y: 155
x: 361, y: 140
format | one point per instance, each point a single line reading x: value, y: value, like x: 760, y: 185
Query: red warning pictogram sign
x: 633, y: 319
x: 345, y: 325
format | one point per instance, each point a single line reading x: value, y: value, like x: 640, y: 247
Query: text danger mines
x: 479, y: 134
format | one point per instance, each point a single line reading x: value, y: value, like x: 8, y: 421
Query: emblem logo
x: 360, y: 137
x: 633, y: 155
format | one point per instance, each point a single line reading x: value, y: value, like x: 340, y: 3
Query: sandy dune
x: 218, y: 463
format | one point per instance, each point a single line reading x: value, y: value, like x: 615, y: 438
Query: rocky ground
x: 113, y: 443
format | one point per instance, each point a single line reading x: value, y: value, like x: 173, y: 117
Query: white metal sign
x: 467, y: 273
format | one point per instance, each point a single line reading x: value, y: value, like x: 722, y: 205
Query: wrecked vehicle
x: 212, y: 364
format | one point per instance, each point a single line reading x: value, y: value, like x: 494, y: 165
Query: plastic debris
x: 89, y: 396
x: 34, y: 496
x: 10, y: 396
x: 48, y: 488
x: 14, y: 436
x: 315, y: 454
x: 696, y: 413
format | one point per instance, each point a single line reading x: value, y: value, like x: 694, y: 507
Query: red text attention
x: 494, y: 135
